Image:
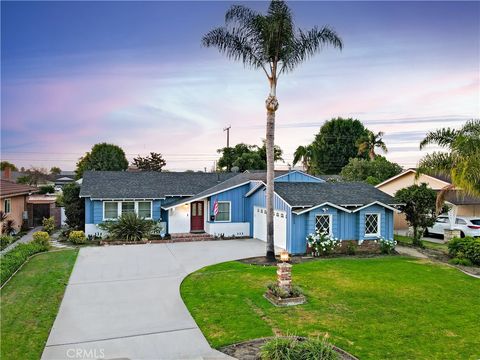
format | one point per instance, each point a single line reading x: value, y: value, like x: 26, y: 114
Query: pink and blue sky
x: 135, y: 74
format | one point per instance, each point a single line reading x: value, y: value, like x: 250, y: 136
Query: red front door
x: 196, y: 212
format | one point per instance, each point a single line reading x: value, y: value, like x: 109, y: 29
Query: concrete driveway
x: 123, y: 302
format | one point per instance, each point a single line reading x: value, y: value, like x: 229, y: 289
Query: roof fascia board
x: 377, y: 203
x: 323, y: 204
x: 301, y: 172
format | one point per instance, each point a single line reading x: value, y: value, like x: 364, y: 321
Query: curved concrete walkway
x: 123, y: 302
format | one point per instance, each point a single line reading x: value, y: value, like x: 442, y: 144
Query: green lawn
x: 428, y: 244
x: 376, y: 308
x: 30, y: 302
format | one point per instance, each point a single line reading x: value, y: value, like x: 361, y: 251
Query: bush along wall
x: 12, y: 260
x: 465, y: 251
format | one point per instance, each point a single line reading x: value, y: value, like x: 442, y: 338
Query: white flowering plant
x: 387, y: 246
x: 322, y: 243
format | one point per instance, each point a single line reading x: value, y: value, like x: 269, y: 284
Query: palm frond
x: 307, y: 44
x: 299, y: 154
x: 441, y: 137
x: 436, y: 163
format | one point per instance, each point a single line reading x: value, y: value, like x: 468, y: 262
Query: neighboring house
x: 65, y: 177
x: 466, y: 205
x: 185, y: 203
x: 14, y: 201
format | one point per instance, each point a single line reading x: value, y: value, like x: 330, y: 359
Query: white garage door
x: 280, y: 226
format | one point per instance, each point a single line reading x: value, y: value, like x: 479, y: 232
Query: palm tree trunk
x: 272, y: 105
x: 371, y: 154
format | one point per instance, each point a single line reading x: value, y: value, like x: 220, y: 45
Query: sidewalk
x: 23, y: 240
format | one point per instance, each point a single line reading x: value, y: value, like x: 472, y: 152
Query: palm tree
x: 305, y: 155
x: 461, y: 162
x: 271, y: 43
x: 370, y: 142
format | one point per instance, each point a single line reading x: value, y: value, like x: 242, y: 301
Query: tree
x: 370, y: 171
x: 34, y: 176
x: 7, y: 164
x: 461, y: 162
x: 246, y: 157
x: 419, y: 208
x: 55, y: 170
x: 335, y: 144
x: 154, y: 162
x: 369, y: 142
x: 102, y: 157
x: 305, y: 155
x: 272, y: 44
x: 74, y: 206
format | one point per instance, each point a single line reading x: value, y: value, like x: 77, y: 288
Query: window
x: 475, y: 221
x: 372, y: 224
x: 441, y: 220
x: 223, y: 211
x: 145, y: 209
x: 7, y: 206
x: 110, y: 210
x: 322, y: 224
x: 461, y: 222
x: 128, y: 207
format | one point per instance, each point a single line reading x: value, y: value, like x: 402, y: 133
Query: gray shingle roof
x: 338, y: 193
x: 147, y: 185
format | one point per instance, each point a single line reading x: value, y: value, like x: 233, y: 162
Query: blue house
x: 184, y: 203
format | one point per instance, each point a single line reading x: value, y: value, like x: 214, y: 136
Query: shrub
x: 47, y: 189
x: 322, y: 244
x: 5, y: 240
x: 128, y: 227
x: 466, y: 248
x: 387, y: 246
x: 282, y: 293
x: 351, y: 248
x: 42, y: 238
x: 48, y: 224
x: 460, y: 261
x: 77, y: 237
x: 294, y: 348
x: 12, y: 260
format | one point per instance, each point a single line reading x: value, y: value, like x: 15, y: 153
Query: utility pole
x: 227, y: 129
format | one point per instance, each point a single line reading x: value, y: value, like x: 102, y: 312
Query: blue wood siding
x: 94, y: 211
x: 237, y: 200
x: 297, y: 176
x: 299, y: 234
x: 374, y: 209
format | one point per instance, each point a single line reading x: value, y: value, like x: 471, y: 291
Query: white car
x: 468, y: 226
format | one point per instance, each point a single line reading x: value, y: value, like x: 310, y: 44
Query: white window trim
x: 119, y: 208
x: 379, y: 225
x: 330, y: 223
x: 229, y: 212
x: 9, y: 201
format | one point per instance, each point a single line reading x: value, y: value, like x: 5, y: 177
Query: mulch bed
x: 250, y: 350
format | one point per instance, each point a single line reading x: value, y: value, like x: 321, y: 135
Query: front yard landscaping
x: 374, y: 308
x: 30, y: 302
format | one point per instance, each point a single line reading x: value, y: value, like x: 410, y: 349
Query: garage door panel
x: 280, y: 226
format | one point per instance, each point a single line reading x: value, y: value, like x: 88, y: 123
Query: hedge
x: 465, y: 248
x: 11, y: 261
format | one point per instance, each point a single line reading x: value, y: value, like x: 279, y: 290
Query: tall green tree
x: 335, y: 144
x: 74, y: 206
x: 246, y: 157
x: 153, y: 162
x: 7, y: 164
x: 369, y: 142
x: 460, y: 161
x: 372, y: 172
x: 271, y: 43
x: 304, y: 154
x: 419, y: 205
x: 55, y: 170
x: 102, y: 157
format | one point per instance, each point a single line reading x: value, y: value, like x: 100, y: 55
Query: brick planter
x: 450, y: 234
x: 278, y: 301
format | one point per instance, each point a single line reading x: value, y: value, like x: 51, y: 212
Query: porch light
x: 284, y: 256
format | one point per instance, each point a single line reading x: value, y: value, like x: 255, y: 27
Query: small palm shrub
x: 5, y: 240
x: 128, y: 227
x: 41, y: 238
x: 77, y: 237
x: 294, y: 349
x: 48, y: 224
x: 466, y: 248
x: 322, y: 243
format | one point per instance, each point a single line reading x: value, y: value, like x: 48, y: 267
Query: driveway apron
x: 123, y: 302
